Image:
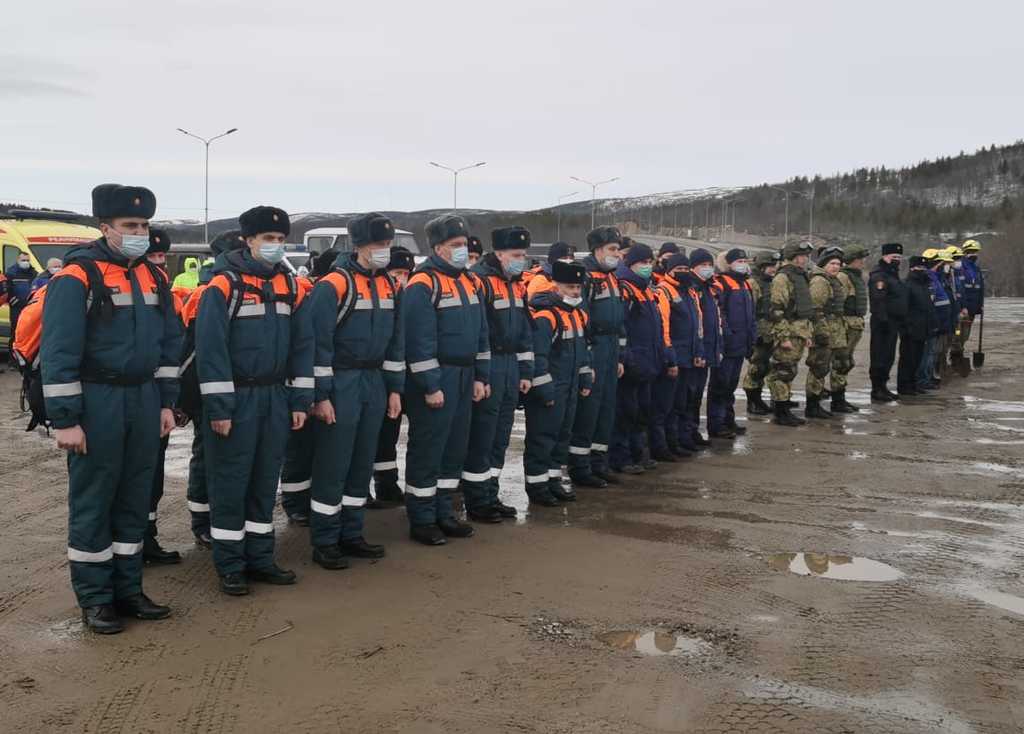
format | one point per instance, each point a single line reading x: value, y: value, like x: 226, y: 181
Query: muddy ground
x: 675, y: 604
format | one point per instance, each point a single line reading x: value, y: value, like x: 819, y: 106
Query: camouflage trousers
x: 785, y: 363
x: 758, y: 365
x: 843, y: 360
x: 819, y: 365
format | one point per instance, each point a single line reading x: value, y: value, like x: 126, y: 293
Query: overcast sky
x: 340, y: 105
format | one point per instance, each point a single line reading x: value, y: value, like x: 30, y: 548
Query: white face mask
x: 611, y: 261
x: 705, y: 271
x: 572, y: 300
x: 134, y: 245
x: 55, y: 270
x: 24, y: 264
x: 741, y: 268
x: 272, y: 252
x: 957, y: 264
x: 460, y: 256
x: 380, y: 259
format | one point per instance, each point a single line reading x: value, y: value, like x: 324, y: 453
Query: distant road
x: 654, y: 242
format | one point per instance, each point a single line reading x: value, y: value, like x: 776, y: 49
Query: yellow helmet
x: 972, y: 246
x: 930, y: 254
x: 955, y: 251
x: 945, y: 256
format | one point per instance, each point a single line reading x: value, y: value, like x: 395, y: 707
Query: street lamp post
x: 810, y: 198
x: 206, y: 205
x: 455, y: 180
x: 593, y: 193
x: 558, y: 210
x: 786, y: 192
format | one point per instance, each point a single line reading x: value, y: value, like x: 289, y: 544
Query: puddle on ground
x: 836, y: 567
x: 993, y: 406
x: 655, y: 643
x: 994, y: 442
x: 857, y: 456
x: 1006, y: 602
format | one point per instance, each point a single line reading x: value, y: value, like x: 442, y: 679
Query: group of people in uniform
x: 299, y: 384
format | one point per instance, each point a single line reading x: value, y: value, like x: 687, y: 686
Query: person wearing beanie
x: 110, y: 382
x: 679, y: 304
x: 647, y: 355
x: 855, y: 306
x: 735, y: 296
x: 887, y: 297
x: 563, y: 373
x: 917, y: 340
x: 503, y: 296
x: 476, y: 251
x: 701, y: 280
x: 387, y: 492
x: 541, y: 280
x: 254, y: 358
x: 667, y: 250
x: 765, y: 266
x: 828, y: 328
x: 448, y: 354
x: 791, y: 311
x: 595, y: 413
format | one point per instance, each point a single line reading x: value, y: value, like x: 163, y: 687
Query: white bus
x: 321, y: 239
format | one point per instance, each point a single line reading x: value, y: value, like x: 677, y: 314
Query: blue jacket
x: 19, y: 285
x: 560, y: 348
x: 508, y: 315
x: 686, y: 329
x: 974, y: 287
x: 648, y: 351
x: 445, y: 323
x: 603, y: 302
x: 949, y: 283
x: 136, y: 336
x: 241, y: 338
x: 737, y: 310
x: 713, y: 340
x: 43, y: 279
x: 942, y: 302
x: 369, y: 335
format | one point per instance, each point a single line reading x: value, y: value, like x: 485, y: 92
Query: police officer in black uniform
x: 888, y: 296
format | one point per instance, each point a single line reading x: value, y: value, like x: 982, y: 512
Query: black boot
x: 814, y: 409
x: 329, y: 557
x: 679, y: 451
x: 783, y: 416
x: 506, y: 511
x: 879, y: 393
x: 587, y: 480
x: 455, y: 529
x: 203, y: 539
x: 234, y: 584
x: 606, y: 476
x: 665, y: 455
x: 755, y: 404
x: 299, y: 518
x: 723, y: 432
x: 839, y: 404
x: 389, y: 494
x: 700, y: 441
x: 154, y: 554
x: 141, y: 606
x: 359, y: 548
x: 557, y: 490
x: 273, y: 574
x: 427, y: 534
x: 484, y: 514
x: 102, y: 619
x: 544, y: 498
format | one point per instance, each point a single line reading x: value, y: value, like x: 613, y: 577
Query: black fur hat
x: 510, y: 238
x: 401, y: 259
x: 602, y: 236
x: 110, y: 201
x: 230, y: 240
x: 475, y: 245
x: 892, y: 248
x: 368, y: 228
x: 159, y: 241
x: 262, y: 219
x: 445, y: 227
x: 568, y: 273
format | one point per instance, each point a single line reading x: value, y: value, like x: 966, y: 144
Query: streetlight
x: 810, y: 198
x: 455, y: 174
x: 206, y: 206
x: 558, y: 210
x: 593, y: 192
x: 734, y: 202
x: 786, y: 192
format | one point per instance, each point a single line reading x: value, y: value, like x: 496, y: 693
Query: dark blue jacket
x: 737, y: 308
x: 43, y: 279
x: 974, y: 287
x: 686, y: 329
x: 508, y: 315
x: 942, y: 302
x: 135, y: 337
x: 602, y: 300
x: 560, y: 348
x: 713, y: 340
x: 648, y: 351
x: 19, y: 285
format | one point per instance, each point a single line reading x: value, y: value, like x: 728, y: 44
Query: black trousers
x: 385, y: 464
x: 884, y: 337
x: 911, y: 352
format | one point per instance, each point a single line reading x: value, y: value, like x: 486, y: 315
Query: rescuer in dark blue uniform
x: 739, y: 332
x: 109, y: 361
x: 359, y: 366
x: 702, y: 271
x: 511, y: 341
x: 255, y: 365
x: 447, y: 350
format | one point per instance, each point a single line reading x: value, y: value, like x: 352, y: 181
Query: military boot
x: 814, y: 409
x: 102, y: 619
x: 879, y: 393
x: 783, y: 416
x: 839, y: 404
x: 756, y: 404
x: 156, y: 555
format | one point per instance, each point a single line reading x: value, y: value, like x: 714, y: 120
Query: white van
x: 321, y: 239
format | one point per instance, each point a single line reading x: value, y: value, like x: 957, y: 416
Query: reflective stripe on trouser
x: 819, y: 365
x: 244, y: 469
x: 632, y: 407
x: 595, y: 415
x: 785, y: 364
x: 758, y: 365
x: 663, y: 428
x: 438, y: 439
x: 490, y: 430
x: 157, y: 491
x: 722, y: 393
x: 385, y: 465
x: 843, y: 360
x: 198, y: 499
x: 344, y: 454
x: 297, y: 472
x: 689, y: 421
x: 110, y: 488
x: 547, y: 428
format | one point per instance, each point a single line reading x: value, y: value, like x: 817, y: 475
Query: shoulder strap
x: 237, y: 293
x: 348, y: 303
x: 97, y: 299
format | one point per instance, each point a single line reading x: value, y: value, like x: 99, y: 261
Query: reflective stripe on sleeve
x: 296, y: 486
x: 449, y: 302
x: 259, y: 528
x: 350, y: 501
x: 363, y: 305
x: 321, y: 508
x: 427, y: 364
x: 285, y: 309
x: 166, y: 373
x: 121, y: 299
x: 421, y: 491
x: 197, y: 507
x: 541, y: 380
x: 80, y: 556
x: 387, y: 304
x: 323, y: 372
x: 62, y: 389
x: 251, y: 309
x: 126, y: 549
x: 500, y: 304
x: 222, y: 534
x: 391, y: 366
x: 524, y: 356
x: 216, y: 388
x: 302, y: 383
x: 476, y: 476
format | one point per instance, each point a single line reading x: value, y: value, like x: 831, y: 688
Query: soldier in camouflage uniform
x: 790, y: 314
x: 828, y: 326
x: 765, y: 265
x: 855, y: 307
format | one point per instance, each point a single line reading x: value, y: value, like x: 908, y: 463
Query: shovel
x: 979, y: 356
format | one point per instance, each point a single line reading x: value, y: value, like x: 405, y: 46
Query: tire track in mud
x: 217, y: 696
x: 120, y: 712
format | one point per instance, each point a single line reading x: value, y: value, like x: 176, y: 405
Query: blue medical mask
x: 24, y: 264
x: 644, y: 271
x: 460, y: 256
x: 611, y: 262
x: 272, y: 252
x: 515, y: 267
x: 380, y: 259
x: 705, y: 271
x: 134, y: 245
x: 572, y: 300
x: 741, y: 268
